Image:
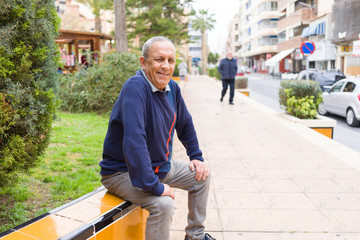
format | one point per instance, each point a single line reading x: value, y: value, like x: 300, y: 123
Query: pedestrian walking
x: 182, y: 70
x: 228, y: 70
x: 137, y: 160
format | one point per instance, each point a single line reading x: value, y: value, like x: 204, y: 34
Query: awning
x: 64, y: 40
x: 314, y: 30
x: 320, y: 28
x: 272, y: 61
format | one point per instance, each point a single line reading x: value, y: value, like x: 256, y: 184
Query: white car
x: 343, y: 99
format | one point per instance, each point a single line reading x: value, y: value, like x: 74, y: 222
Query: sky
x: 224, y: 11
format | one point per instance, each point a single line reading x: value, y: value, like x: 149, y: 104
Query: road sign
x: 307, y: 48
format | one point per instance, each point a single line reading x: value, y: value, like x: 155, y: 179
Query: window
x: 268, y: 6
x: 337, y: 87
x: 282, y: 36
x: 268, y: 40
x: 267, y: 23
x: 248, y: 4
x: 349, y: 87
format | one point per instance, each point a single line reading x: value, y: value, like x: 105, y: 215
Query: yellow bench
x: 98, y: 215
x: 176, y: 78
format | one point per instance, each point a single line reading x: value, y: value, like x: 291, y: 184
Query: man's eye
x: 171, y: 61
x: 157, y: 59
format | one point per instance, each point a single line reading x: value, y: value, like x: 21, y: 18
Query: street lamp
x: 309, y: 6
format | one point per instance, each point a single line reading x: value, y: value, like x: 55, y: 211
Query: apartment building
x: 346, y: 35
x: 320, y: 33
x: 296, y: 16
x: 258, y: 32
x: 233, y: 43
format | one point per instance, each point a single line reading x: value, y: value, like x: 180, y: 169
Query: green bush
x: 300, y: 98
x: 213, y: 72
x: 97, y: 87
x: 28, y: 76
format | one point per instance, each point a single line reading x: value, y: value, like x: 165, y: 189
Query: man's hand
x: 168, y: 191
x: 202, y: 170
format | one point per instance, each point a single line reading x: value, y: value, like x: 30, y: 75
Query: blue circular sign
x: 307, y: 48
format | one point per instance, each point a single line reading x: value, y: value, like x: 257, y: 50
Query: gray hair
x: 147, y: 45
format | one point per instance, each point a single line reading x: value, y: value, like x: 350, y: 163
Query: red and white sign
x: 307, y: 48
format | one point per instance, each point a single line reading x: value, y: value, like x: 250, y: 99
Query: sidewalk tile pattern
x: 269, y: 179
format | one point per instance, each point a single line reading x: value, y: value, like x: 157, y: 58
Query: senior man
x: 137, y: 160
x: 228, y: 70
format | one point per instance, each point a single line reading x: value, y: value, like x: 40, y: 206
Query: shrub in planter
x: 213, y: 72
x: 300, y: 98
x: 241, y: 82
x: 28, y: 73
x: 97, y: 87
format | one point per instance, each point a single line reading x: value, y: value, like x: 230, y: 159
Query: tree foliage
x: 149, y: 18
x: 28, y: 75
x: 213, y: 58
x: 203, y: 22
x: 97, y: 87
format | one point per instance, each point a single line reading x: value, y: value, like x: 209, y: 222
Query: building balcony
x: 303, y: 16
x: 260, y: 50
x: 282, y: 4
x: 264, y: 32
x: 294, y: 42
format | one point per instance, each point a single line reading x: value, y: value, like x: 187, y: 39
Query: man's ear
x: 142, y: 62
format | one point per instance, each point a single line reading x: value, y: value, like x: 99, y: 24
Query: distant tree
x: 29, y: 59
x: 213, y: 58
x: 120, y: 26
x: 97, y: 6
x: 203, y: 22
x: 150, y: 18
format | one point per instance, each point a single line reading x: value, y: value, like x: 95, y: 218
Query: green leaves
x: 97, y: 87
x: 157, y: 18
x: 203, y: 21
x: 300, y: 98
x: 28, y: 65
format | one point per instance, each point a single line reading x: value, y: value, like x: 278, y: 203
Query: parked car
x: 242, y: 70
x: 343, y: 99
x: 324, y: 77
x: 328, y: 78
x: 302, y: 74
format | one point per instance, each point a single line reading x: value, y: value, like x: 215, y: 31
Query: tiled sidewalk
x: 271, y: 179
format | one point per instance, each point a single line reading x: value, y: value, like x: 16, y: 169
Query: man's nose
x: 165, y: 64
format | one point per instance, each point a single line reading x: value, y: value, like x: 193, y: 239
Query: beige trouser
x: 161, y: 208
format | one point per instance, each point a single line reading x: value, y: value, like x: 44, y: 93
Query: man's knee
x: 163, y: 205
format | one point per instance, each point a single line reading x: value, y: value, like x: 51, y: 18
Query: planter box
x: 241, y: 82
x: 245, y: 91
x: 322, y: 124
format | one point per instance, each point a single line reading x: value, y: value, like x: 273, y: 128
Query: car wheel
x: 322, y: 110
x: 351, y: 119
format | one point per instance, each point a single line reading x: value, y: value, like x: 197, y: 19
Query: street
x: 265, y: 90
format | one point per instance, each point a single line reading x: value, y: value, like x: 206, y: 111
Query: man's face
x: 160, y: 64
x: 229, y: 56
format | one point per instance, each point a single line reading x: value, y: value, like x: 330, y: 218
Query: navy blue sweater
x: 140, y: 133
x: 228, y: 68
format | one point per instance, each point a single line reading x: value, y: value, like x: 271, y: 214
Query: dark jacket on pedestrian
x: 228, y: 68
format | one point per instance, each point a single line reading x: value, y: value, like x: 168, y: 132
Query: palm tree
x: 203, y: 22
x: 96, y: 6
x: 120, y: 26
